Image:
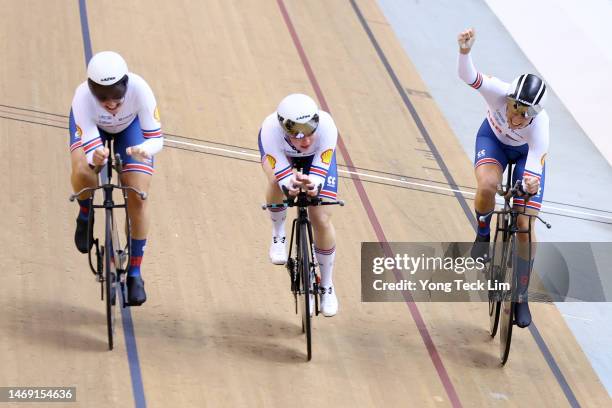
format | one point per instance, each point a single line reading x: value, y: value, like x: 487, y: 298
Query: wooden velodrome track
x: 218, y: 328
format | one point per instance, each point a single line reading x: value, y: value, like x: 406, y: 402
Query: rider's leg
x: 488, y: 176
x: 325, y: 251
x: 278, y: 251
x: 81, y: 176
x: 139, y: 221
x: 526, y: 253
x: 138, y: 175
x: 274, y: 195
x: 325, y: 240
x: 139, y: 216
x: 489, y: 163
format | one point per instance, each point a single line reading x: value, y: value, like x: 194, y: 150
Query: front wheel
x: 110, y: 275
x: 304, y: 271
x: 507, y: 304
x: 496, y: 270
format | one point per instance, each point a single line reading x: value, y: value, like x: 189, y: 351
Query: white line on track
x: 376, y: 177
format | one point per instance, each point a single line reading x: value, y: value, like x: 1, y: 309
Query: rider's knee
x: 82, y: 174
x: 320, y: 220
x: 523, y: 238
x: 135, y: 202
x: 487, y: 184
x: 80, y: 168
x: 523, y: 224
x: 274, y: 192
x: 273, y: 187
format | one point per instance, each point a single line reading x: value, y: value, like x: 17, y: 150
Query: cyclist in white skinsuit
x: 115, y: 104
x: 516, y: 128
x: 298, y: 133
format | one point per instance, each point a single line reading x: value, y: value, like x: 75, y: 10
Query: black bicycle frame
x: 507, y: 220
x: 108, y: 203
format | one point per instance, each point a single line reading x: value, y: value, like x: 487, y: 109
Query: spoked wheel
x: 110, y: 280
x: 507, y: 304
x: 304, y: 271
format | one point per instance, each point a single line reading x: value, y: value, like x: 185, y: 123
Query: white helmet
x: 107, y: 75
x: 298, y: 115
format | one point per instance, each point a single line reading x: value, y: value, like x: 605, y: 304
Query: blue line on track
x: 133, y: 362
x: 126, y: 315
x: 85, y: 30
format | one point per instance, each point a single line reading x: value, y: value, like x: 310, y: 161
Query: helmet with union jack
x: 528, y: 90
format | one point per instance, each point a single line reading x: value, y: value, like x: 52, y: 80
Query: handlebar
x: 515, y: 191
x: 117, y: 165
x: 141, y: 194
x: 302, y: 200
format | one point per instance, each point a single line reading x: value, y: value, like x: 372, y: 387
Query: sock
x: 523, y: 270
x: 84, y: 209
x: 278, y: 216
x: 326, y: 257
x: 484, y: 228
x: 138, y: 247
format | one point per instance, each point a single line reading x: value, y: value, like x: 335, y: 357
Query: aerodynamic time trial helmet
x: 298, y: 115
x: 107, y: 76
x: 528, y: 93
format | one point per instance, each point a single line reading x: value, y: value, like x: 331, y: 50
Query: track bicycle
x: 111, y: 258
x: 503, y: 261
x: 302, y: 267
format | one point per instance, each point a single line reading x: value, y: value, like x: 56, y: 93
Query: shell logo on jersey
x: 543, y: 159
x: 326, y: 156
x: 271, y: 160
x: 79, y: 133
x: 156, y: 114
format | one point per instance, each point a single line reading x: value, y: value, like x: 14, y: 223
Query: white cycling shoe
x: 278, y: 252
x: 329, y: 301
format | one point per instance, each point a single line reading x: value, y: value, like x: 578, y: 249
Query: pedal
x: 122, y: 273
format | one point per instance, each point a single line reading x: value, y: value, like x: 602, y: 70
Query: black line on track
x: 542, y: 346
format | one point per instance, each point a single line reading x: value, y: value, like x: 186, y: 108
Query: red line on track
x: 380, y: 234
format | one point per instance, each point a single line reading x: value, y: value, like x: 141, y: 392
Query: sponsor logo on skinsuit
x: 326, y: 156
x: 271, y: 160
x: 79, y: 133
